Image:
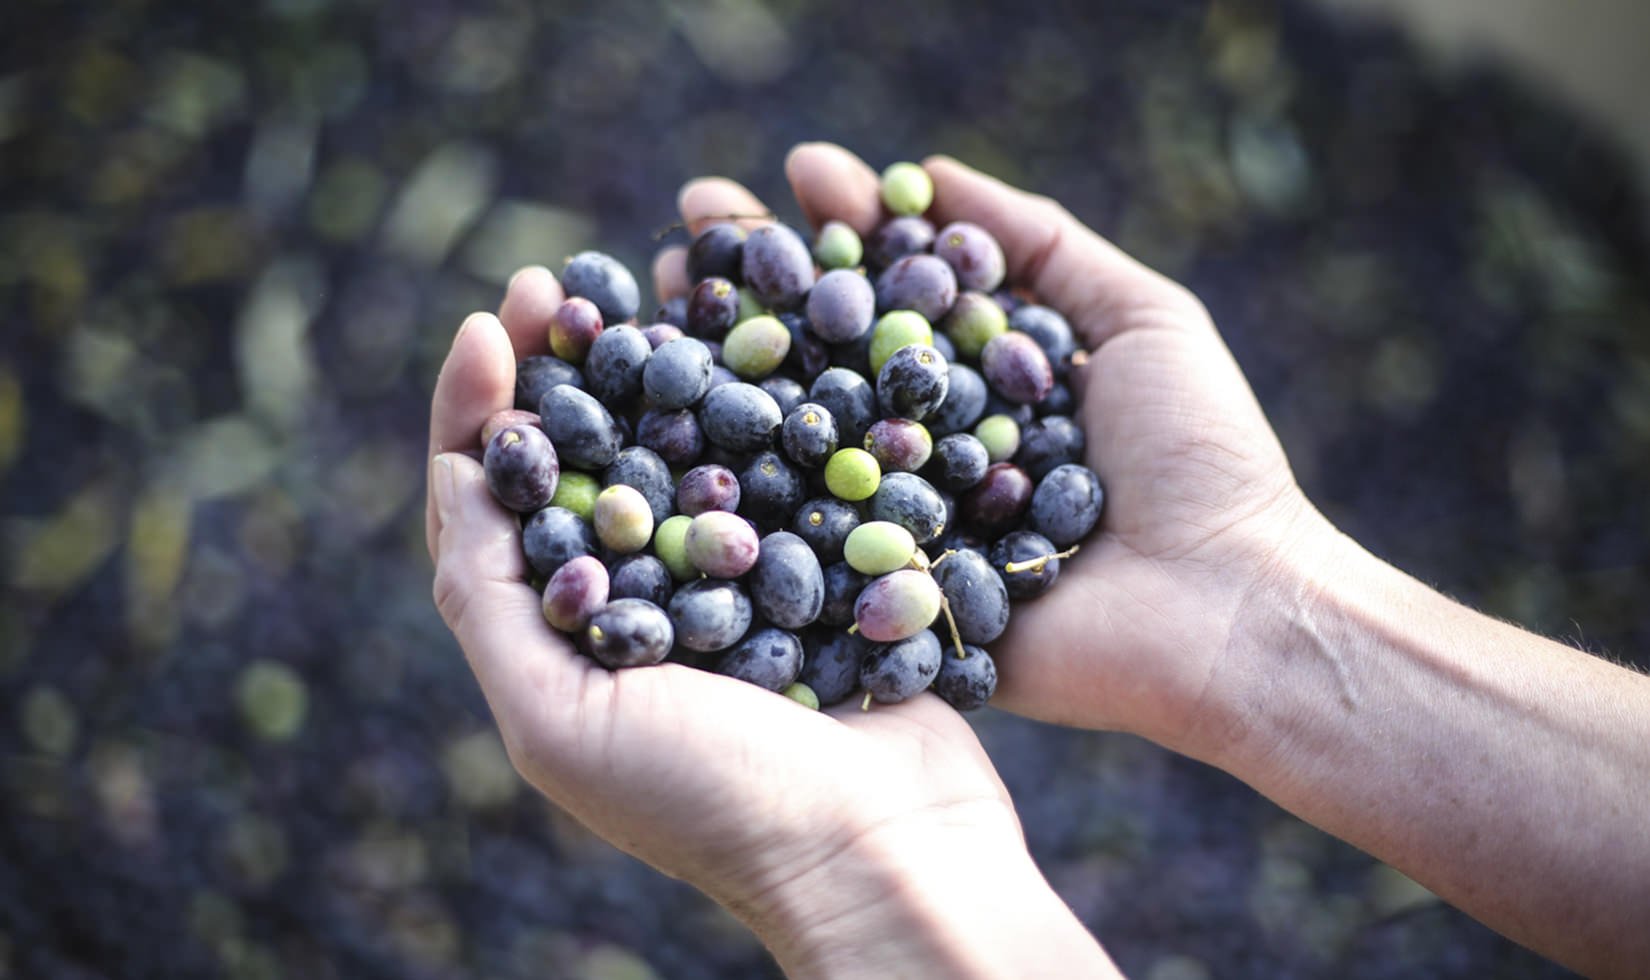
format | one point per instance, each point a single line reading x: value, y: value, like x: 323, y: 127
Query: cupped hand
x: 733, y: 788
x: 1201, y: 507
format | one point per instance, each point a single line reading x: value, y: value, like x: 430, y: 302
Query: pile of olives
x: 827, y: 469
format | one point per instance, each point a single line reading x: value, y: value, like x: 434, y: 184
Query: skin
x: 1215, y: 612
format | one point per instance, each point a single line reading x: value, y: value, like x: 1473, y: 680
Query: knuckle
x: 1167, y: 302
x: 1046, y: 208
x: 1181, y: 298
x: 451, y: 592
x: 529, y: 756
x: 1050, y: 210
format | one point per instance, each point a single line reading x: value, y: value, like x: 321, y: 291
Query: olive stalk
x: 1037, y: 564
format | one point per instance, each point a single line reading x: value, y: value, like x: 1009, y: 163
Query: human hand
x: 1218, y: 613
x: 835, y: 835
x: 1202, y: 511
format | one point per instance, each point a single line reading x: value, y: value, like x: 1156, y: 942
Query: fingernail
x: 441, y: 486
x: 524, y: 270
x: 462, y: 327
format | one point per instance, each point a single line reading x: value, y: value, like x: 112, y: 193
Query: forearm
x: 1505, y: 772
x: 960, y: 899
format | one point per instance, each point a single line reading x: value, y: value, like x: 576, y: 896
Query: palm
x: 737, y: 778
x: 698, y: 773
x: 1199, y: 493
x: 1185, y: 474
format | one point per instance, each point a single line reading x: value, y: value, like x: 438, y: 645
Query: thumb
x: 482, y: 593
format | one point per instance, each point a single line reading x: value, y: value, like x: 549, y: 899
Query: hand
x: 1218, y: 613
x: 829, y: 833
x: 1201, y: 504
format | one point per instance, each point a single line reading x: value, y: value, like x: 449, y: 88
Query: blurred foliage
x: 236, y: 240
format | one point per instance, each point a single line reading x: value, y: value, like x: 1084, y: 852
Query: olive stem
x: 951, y: 621
x: 920, y: 562
x: 865, y: 705
x: 853, y: 628
x: 1036, y: 564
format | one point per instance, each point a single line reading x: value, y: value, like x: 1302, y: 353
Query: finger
x: 1068, y: 266
x: 713, y: 200
x: 478, y: 379
x: 482, y: 594
x: 670, y: 277
x: 832, y: 183
x: 529, y: 301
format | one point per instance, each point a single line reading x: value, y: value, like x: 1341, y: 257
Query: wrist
x: 1309, y: 568
x: 951, y: 894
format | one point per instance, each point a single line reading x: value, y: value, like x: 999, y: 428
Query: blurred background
x: 235, y: 240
